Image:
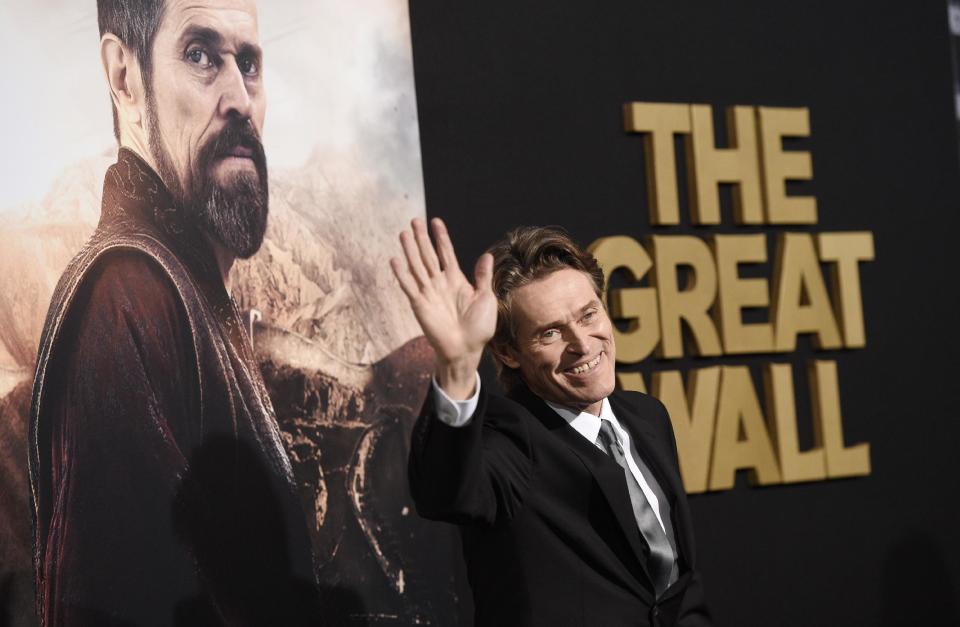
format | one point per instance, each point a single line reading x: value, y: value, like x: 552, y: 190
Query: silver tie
x: 662, y: 561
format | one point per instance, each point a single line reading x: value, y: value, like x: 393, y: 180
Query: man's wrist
x: 458, y: 379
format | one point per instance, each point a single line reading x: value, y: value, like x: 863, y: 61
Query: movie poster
x: 338, y: 348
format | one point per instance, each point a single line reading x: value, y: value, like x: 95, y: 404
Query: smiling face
x: 564, y: 346
x: 206, y: 107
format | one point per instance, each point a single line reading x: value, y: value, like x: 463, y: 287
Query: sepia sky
x: 338, y: 75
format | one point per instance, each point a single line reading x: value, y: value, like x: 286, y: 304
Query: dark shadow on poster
x: 227, y: 512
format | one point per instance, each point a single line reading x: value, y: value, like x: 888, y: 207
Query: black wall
x: 520, y: 121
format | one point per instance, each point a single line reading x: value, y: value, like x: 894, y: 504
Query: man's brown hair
x: 524, y: 255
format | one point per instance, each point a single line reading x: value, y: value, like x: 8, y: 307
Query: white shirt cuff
x: 455, y: 413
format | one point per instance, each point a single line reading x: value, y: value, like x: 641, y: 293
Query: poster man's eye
x: 248, y: 66
x: 199, y: 56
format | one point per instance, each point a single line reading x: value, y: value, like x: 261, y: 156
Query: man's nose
x: 235, y: 98
x: 578, y: 341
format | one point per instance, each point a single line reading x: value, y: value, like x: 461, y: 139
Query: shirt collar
x: 585, y: 423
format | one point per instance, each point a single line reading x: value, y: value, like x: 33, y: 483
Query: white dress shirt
x: 458, y: 414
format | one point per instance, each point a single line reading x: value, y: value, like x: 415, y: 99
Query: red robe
x: 161, y: 490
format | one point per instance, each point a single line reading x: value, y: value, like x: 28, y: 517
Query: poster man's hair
x: 135, y: 23
x: 524, y: 255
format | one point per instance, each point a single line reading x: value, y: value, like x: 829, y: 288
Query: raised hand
x: 457, y: 318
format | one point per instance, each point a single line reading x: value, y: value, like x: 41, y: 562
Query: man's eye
x: 592, y: 317
x: 549, y: 335
x: 248, y: 66
x: 199, y: 56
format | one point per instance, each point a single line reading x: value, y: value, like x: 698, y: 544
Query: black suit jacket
x: 546, y: 523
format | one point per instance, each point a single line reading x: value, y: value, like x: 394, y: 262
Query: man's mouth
x: 585, y: 367
x: 241, y: 152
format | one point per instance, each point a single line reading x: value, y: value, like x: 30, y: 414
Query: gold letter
x: 846, y: 249
x: 708, y: 166
x: 659, y: 122
x: 828, y: 426
x: 737, y: 293
x: 692, y: 414
x: 795, y: 465
x: 798, y: 274
x: 779, y: 166
x: 739, y: 410
x: 637, y: 304
x: 691, y: 304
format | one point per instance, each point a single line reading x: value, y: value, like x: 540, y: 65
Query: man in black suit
x: 567, y: 494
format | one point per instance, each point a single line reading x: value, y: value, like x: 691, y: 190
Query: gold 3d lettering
x: 686, y: 295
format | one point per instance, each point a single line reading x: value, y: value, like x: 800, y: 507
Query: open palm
x: 457, y: 318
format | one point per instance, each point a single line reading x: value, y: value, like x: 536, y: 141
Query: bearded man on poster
x: 567, y: 494
x: 161, y: 489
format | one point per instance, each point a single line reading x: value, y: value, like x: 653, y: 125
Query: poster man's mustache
x: 237, y: 133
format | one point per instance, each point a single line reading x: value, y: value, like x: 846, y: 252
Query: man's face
x: 205, y: 107
x: 564, y: 340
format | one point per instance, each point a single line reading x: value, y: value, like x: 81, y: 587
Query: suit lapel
x: 607, y: 473
x: 656, y: 454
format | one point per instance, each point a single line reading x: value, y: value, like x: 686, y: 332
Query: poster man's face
x: 206, y: 106
x: 564, y: 340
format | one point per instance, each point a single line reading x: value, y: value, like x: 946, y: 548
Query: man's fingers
x: 448, y: 257
x: 414, y: 262
x: 407, y: 284
x: 483, y: 272
x: 427, y: 254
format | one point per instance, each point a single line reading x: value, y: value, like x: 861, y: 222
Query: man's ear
x: 505, y: 355
x: 124, y: 80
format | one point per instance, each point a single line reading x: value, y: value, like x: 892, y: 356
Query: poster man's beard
x: 232, y: 212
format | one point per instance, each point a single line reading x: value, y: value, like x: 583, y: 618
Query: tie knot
x: 607, y: 435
